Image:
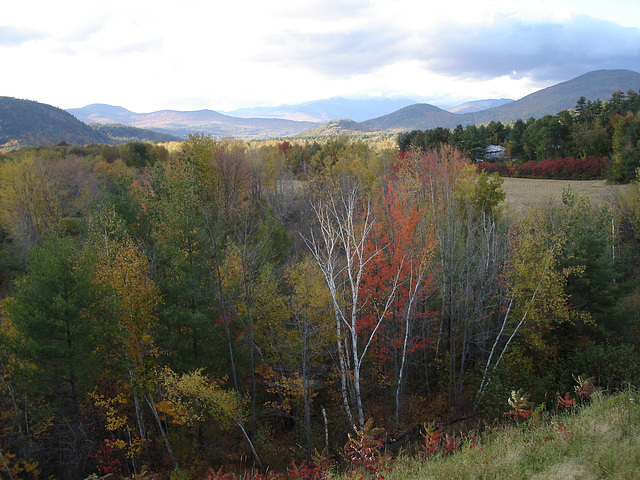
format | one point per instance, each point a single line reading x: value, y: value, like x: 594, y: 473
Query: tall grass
x: 597, y: 441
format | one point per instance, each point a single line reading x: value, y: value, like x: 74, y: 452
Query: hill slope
x: 600, y: 84
x: 549, y: 101
x: 596, y: 441
x: 29, y: 123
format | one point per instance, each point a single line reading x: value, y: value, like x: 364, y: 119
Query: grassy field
x: 523, y: 193
x: 599, y: 441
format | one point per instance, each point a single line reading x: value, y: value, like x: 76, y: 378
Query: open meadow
x: 523, y: 193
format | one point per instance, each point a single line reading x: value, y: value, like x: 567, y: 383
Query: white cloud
x: 222, y: 55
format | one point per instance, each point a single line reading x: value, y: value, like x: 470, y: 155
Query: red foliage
x: 107, y: 461
x: 395, y: 236
x: 566, y: 401
x: 562, y: 168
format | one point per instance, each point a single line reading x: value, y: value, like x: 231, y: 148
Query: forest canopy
x: 224, y: 304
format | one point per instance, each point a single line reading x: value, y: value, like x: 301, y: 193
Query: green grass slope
x: 599, y: 441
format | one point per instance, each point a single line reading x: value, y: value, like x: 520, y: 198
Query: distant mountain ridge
x: 600, y: 84
x: 26, y: 122
x: 549, y: 101
x: 478, y: 105
x: 182, y: 123
x: 330, y: 109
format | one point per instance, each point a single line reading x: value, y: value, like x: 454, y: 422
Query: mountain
x: 326, y: 110
x: 29, y: 123
x: 421, y: 116
x: 181, y: 123
x: 600, y: 84
x: 102, y: 113
x: 479, y: 105
x: 25, y: 122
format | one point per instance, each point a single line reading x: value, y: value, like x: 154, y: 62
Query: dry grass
x: 523, y: 193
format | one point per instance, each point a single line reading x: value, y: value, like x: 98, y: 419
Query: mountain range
x: 26, y: 122
x: 600, y: 84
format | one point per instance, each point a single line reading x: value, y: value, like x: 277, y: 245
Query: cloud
x: 142, y: 46
x: 11, y: 36
x: 541, y: 51
x: 335, y: 54
x: 545, y: 50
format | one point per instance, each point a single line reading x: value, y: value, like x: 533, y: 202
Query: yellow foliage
x: 290, y: 388
x: 194, y: 397
x: 17, y: 467
x: 111, y: 406
x: 117, y: 422
x: 30, y: 199
x: 124, y: 271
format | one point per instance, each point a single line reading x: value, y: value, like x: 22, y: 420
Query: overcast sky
x: 224, y: 54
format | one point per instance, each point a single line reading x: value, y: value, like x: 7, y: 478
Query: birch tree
x: 344, y: 224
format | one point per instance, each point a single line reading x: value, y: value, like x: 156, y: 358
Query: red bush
x: 562, y: 168
x: 565, y: 168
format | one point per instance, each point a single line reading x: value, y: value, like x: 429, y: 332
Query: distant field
x: 524, y: 192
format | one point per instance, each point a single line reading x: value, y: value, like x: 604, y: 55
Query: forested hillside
x: 24, y: 122
x: 228, y: 305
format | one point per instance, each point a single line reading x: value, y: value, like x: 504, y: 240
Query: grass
x: 598, y: 441
x: 522, y: 193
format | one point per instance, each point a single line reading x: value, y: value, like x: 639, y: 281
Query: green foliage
x: 626, y: 147
x: 140, y: 154
x: 487, y: 193
x: 54, y: 313
x: 591, y: 129
x: 613, y: 367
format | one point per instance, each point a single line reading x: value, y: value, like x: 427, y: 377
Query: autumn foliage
x: 227, y: 310
x: 561, y: 168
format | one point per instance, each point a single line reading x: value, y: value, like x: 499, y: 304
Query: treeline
x: 234, y: 305
x: 608, y: 130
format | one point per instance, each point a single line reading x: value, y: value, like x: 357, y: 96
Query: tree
x: 471, y: 249
x: 340, y: 247
x: 54, y: 311
x: 626, y: 147
x: 590, y: 139
x: 40, y: 195
x: 131, y: 297
x: 406, y: 246
x: 193, y: 397
x: 295, y: 336
x: 536, y: 305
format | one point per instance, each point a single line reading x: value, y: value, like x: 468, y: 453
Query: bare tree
x: 344, y: 224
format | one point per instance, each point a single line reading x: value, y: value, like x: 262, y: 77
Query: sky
x: 149, y: 55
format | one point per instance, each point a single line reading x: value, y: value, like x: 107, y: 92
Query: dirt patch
x: 523, y: 193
